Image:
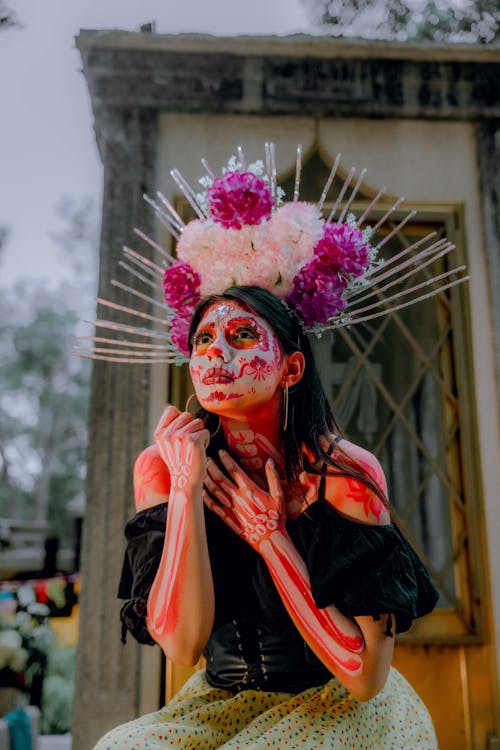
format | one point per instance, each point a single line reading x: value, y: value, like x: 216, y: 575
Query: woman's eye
x: 247, y: 334
x: 202, y: 339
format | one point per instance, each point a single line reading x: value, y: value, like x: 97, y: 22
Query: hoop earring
x: 285, y: 407
x: 186, y: 408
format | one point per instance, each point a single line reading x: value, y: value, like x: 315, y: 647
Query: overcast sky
x: 47, y: 147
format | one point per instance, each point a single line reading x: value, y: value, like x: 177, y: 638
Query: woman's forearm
x: 180, y: 607
x: 334, y: 638
x: 360, y: 663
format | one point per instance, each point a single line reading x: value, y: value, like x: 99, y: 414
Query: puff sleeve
x: 144, y: 534
x: 363, y: 569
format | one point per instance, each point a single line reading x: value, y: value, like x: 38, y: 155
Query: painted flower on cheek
x: 258, y: 368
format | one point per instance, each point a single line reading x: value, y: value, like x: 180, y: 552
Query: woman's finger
x: 217, y: 491
x: 219, y: 479
x: 216, y: 473
x: 237, y: 474
x: 223, y: 514
x: 210, y: 503
x: 179, y: 422
x: 169, y: 414
x: 275, y: 488
x: 201, y: 437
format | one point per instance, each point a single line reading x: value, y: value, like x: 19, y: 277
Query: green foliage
x: 430, y: 20
x: 57, y: 696
x: 44, y: 387
x: 43, y: 402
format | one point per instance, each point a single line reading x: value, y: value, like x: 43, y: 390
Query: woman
x: 279, y: 561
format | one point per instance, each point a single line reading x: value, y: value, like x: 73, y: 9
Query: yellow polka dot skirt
x: 207, y: 718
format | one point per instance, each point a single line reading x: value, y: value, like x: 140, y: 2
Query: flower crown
x: 326, y: 271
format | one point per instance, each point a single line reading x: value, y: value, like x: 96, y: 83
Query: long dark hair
x: 310, y: 417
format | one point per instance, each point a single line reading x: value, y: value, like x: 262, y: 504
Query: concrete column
x: 488, y: 144
x: 108, y: 673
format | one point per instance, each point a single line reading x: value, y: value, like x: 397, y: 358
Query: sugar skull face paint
x: 236, y: 358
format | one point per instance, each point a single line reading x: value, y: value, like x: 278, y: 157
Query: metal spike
x: 209, y: 171
x: 167, y: 221
x: 391, y: 234
x: 354, y: 321
x: 347, y: 181
x: 400, y: 278
x: 188, y: 193
x: 154, y: 245
x: 274, y: 181
x: 132, y: 257
x: 406, y: 292
x: 371, y: 206
x: 136, y: 293
x: 267, y: 159
x: 138, y: 331
x: 298, y: 170
x: 130, y: 311
x: 138, y: 275
x: 329, y: 181
x: 125, y: 352
x: 122, y: 342
x: 125, y: 360
x: 353, y: 195
x: 180, y: 223
x: 386, y: 215
x: 405, y: 251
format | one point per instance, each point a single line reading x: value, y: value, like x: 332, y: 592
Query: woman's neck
x: 254, y: 438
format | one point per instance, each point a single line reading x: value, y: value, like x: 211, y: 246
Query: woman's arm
x: 358, y: 653
x: 180, y: 607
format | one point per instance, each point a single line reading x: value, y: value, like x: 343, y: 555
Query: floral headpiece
x: 326, y: 271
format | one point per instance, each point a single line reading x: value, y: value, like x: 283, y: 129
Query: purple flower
x: 179, y: 330
x: 239, y: 199
x: 181, y: 285
x: 343, y: 249
x: 317, y: 296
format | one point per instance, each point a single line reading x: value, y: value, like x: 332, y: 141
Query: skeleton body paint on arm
x: 181, y: 601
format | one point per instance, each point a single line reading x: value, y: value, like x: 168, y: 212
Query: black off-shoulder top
x: 360, y: 568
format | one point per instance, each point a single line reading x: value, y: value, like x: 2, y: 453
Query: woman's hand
x: 259, y: 517
x: 180, y: 610
x: 182, y: 441
x: 250, y: 511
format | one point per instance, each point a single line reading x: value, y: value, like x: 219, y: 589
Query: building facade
x: 423, y: 390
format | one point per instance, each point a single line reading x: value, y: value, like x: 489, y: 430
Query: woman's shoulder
x: 351, y: 497
x: 151, y: 479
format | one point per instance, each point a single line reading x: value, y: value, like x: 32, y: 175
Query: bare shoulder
x: 151, y: 479
x: 352, y: 497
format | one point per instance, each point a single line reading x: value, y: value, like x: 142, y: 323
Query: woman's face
x: 237, y: 361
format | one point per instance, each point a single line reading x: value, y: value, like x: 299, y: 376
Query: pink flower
x: 179, y: 329
x: 239, y: 198
x: 317, y: 296
x: 343, y: 249
x: 181, y: 285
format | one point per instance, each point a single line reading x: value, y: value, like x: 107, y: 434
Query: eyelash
x: 198, y: 337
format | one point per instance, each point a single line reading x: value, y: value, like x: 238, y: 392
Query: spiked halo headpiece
x: 327, y: 270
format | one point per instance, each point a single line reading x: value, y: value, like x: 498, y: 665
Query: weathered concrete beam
x: 321, y: 77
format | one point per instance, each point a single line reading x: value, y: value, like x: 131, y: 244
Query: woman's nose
x: 218, y: 348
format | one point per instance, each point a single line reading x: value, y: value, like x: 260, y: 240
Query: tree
x: 7, y: 17
x: 44, y: 388
x: 460, y: 21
